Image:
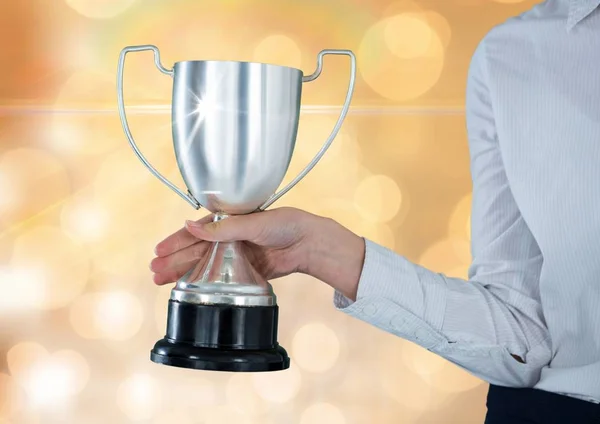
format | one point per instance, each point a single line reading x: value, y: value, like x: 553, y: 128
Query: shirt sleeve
x: 480, y: 323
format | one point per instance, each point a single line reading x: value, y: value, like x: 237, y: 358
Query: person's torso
x: 545, y: 90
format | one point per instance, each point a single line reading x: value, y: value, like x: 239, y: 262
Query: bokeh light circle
x: 315, y: 347
x: 48, y: 379
x: 70, y: 367
x: 394, y: 68
x: 278, y: 49
x: 278, y: 387
x: 84, y: 219
x: 322, y: 413
x: 378, y: 198
x: 46, y: 250
x: 436, y: 21
x: 114, y: 315
x: 139, y: 397
x: 119, y: 315
x: 100, y: 9
x: 396, y: 36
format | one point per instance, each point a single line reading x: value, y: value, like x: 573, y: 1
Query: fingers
x: 170, y: 268
x: 172, y: 275
x: 241, y: 227
x: 188, y: 254
x: 179, y: 240
x: 178, y: 253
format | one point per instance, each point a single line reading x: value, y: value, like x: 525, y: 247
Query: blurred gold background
x: 79, y: 214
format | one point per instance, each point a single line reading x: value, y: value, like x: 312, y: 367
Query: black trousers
x: 531, y: 406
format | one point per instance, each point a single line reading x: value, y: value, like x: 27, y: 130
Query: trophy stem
x: 225, y: 276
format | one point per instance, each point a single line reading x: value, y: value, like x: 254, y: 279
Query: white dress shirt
x: 533, y: 120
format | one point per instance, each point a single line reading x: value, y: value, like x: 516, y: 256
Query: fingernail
x: 193, y: 224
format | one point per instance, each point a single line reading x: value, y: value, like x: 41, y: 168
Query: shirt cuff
x: 406, y: 290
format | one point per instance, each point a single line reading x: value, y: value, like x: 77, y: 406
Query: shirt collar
x: 579, y: 10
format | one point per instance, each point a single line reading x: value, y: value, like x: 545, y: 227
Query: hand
x: 281, y: 241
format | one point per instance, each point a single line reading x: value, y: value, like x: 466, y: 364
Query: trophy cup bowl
x: 234, y: 131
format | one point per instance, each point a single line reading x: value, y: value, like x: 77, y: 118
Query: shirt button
x: 370, y: 310
x: 397, y: 323
x: 421, y: 334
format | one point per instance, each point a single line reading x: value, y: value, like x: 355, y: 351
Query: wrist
x: 335, y: 255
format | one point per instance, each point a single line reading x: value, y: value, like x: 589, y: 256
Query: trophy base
x: 218, y: 337
x: 184, y: 355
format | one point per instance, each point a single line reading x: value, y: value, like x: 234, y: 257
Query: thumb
x: 233, y: 228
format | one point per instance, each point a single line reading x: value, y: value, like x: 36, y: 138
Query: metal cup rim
x: 238, y: 61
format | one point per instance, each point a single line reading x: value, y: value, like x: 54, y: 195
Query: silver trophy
x: 234, y: 131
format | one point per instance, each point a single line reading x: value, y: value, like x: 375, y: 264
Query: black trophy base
x: 184, y: 355
x: 221, y: 338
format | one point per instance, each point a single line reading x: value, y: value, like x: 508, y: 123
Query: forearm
x: 336, y: 256
x: 475, y: 325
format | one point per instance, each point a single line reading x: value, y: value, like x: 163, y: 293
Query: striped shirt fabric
x: 533, y: 290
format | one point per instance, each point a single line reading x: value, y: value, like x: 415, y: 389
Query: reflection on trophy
x: 234, y: 131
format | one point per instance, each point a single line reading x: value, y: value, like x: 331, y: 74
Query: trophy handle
x: 336, y: 128
x: 186, y: 196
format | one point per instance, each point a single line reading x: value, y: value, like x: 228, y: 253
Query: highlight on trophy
x: 234, y: 128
